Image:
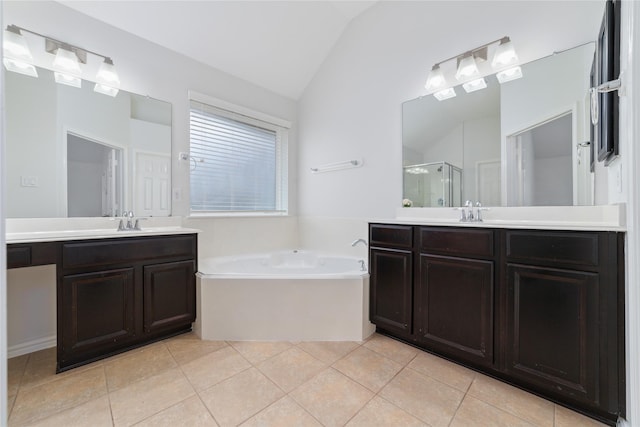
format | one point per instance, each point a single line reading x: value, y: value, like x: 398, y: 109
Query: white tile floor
x: 184, y: 381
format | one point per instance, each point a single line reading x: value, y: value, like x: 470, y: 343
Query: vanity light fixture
x: 505, y: 54
x: 467, y: 67
x: 435, y: 80
x: 66, y: 64
x: 509, y: 74
x: 66, y: 67
x: 445, y: 94
x: 474, y: 85
x: 471, y: 74
x: 107, y: 80
x: 16, y: 53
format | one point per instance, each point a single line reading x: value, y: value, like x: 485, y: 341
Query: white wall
x: 3, y: 258
x: 149, y: 69
x: 32, y: 156
x: 447, y: 149
x: 352, y: 107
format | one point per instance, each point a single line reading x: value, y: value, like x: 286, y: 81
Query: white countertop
x: 586, y: 218
x: 30, y: 230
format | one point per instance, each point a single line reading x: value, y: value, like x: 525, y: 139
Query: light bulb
x: 435, y: 80
x: 445, y: 94
x: 505, y: 54
x: 467, y: 68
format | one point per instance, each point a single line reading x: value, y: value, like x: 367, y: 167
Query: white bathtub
x: 283, y: 296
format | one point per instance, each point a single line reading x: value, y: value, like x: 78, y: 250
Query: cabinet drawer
x: 457, y: 241
x: 397, y: 236
x: 576, y: 249
x: 31, y: 254
x: 127, y: 250
x: 18, y: 256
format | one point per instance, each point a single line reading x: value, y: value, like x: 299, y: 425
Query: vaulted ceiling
x: 278, y: 45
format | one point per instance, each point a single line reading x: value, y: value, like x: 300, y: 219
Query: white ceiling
x: 278, y: 45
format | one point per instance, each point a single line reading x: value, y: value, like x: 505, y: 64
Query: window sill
x: 209, y: 215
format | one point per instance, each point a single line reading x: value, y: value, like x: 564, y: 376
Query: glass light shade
x: 474, y: 85
x: 105, y: 90
x: 467, y: 68
x: 509, y: 74
x: 67, y: 79
x: 505, y: 55
x: 107, y: 75
x: 20, y: 67
x: 445, y: 94
x: 15, y: 46
x: 435, y: 80
x: 66, y: 62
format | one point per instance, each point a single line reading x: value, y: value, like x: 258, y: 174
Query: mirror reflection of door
x: 541, y: 164
x: 152, y: 189
x: 94, y: 178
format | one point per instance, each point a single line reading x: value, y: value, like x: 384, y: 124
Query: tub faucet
x: 355, y: 242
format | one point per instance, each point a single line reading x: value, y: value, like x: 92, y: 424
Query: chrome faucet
x: 469, y: 205
x: 362, y: 267
x: 130, y: 224
x: 355, y: 242
x: 467, y: 213
x: 479, y: 210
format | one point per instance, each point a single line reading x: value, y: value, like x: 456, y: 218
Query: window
x: 238, y: 163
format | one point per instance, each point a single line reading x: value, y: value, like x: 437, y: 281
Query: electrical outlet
x: 177, y: 194
x: 29, y: 181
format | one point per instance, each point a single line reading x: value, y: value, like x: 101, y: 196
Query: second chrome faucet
x: 468, y: 214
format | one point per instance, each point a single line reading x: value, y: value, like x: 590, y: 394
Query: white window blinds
x: 238, y: 164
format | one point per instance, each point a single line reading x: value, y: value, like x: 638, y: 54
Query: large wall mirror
x: 522, y: 143
x: 72, y: 152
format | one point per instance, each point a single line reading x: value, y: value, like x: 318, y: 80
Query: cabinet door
x: 98, y: 313
x: 169, y: 295
x: 391, y: 290
x: 455, y: 300
x: 552, y: 329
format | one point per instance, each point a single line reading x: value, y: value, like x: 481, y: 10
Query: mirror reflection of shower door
x: 94, y: 177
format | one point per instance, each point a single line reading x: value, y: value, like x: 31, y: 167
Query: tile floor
x: 183, y: 381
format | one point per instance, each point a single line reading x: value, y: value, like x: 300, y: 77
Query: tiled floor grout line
x: 285, y: 395
x: 192, y: 385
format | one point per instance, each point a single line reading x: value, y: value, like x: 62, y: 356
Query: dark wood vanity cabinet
x: 114, y: 294
x: 543, y: 310
x: 118, y: 293
x: 98, y: 313
x: 391, y: 285
x: 564, y: 326
x: 455, y: 293
x: 168, y: 303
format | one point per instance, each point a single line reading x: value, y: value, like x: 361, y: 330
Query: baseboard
x: 31, y: 346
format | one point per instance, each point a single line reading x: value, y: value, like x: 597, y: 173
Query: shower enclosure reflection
x: 433, y: 184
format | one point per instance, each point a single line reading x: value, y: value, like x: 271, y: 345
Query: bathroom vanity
x: 542, y: 309
x: 115, y: 292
